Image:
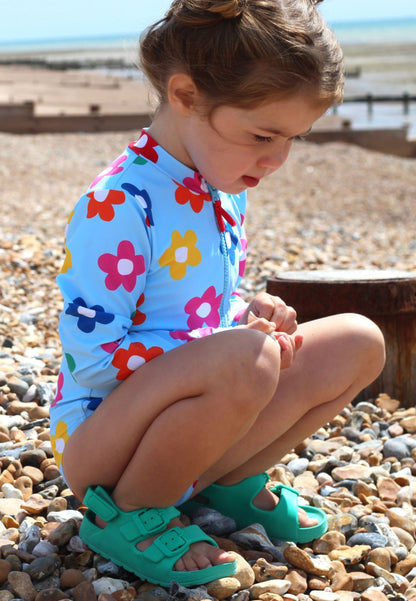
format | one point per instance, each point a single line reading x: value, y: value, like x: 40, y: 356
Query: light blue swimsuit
x: 154, y: 256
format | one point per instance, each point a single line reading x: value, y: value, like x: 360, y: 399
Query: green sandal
x: 281, y: 523
x: 118, y: 540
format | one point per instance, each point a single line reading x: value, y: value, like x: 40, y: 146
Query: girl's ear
x: 183, y: 95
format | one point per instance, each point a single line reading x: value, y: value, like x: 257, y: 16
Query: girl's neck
x: 166, y: 130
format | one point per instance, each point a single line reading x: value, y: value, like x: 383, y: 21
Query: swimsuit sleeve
x: 108, y: 254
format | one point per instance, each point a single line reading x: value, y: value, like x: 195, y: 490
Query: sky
x: 52, y: 19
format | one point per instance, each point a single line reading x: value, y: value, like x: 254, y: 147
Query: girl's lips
x: 249, y: 181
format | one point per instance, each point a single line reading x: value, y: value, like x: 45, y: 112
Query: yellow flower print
x: 182, y: 252
x: 58, y: 441
x: 67, y: 264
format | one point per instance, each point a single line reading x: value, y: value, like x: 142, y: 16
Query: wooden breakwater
x: 370, y: 100
x: 22, y: 119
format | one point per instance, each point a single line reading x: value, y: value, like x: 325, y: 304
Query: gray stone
x: 42, y: 567
x: 30, y: 539
x: 212, y: 522
x: 298, y: 466
x: 373, y: 539
x: 109, y: 585
x: 64, y: 516
x: 395, y: 448
x: 255, y: 537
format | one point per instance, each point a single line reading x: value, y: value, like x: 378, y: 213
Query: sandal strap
x: 175, y: 542
x: 139, y: 524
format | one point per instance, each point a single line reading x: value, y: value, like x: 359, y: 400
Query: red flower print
x: 196, y: 199
x: 145, y: 146
x: 127, y: 361
x: 122, y: 268
x: 112, y: 169
x: 138, y: 317
x: 204, y: 310
x: 102, y: 201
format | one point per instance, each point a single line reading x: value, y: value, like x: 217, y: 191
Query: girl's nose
x: 276, y: 157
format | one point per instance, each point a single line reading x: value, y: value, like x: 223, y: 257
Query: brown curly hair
x: 244, y: 52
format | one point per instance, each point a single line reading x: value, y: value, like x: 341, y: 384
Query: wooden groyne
x: 370, y: 100
x: 22, y: 119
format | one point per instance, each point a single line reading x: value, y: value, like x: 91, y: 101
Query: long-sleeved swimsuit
x: 154, y: 256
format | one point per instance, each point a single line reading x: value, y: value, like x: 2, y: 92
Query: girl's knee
x: 253, y: 368
x: 369, y: 340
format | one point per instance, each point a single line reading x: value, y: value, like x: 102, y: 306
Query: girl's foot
x: 267, y: 501
x: 201, y: 555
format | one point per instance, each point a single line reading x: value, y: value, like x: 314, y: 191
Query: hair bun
x: 228, y: 9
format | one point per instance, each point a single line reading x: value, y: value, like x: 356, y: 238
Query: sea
x: 380, y: 58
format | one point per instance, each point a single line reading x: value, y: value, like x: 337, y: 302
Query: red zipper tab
x: 222, y: 214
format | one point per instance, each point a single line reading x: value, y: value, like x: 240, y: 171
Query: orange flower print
x: 58, y: 441
x: 102, y: 201
x: 182, y: 252
x: 196, y: 198
x: 128, y: 360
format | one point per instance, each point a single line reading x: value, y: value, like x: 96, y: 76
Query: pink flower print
x: 191, y: 335
x: 110, y: 347
x: 204, y: 310
x: 196, y: 184
x: 59, y: 387
x: 122, y: 268
x: 112, y: 169
x: 145, y: 147
x: 243, y: 257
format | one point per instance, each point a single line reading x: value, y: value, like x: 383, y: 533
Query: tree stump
x: 388, y: 297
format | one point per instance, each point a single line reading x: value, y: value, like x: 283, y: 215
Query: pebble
x: 279, y: 587
x: 21, y: 584
x: 212, y: 522
x: 223, y: 587
x: 360, y: 468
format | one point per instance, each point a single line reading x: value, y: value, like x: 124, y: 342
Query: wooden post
x: 406, y: 101
x: 388, y: 297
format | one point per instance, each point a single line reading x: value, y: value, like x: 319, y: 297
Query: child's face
x: 237, y: 148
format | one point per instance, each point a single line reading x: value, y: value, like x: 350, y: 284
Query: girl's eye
x: 299, y: 138
x: 262, y: 138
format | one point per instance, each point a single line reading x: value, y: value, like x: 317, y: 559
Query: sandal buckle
x: 172, y: 542
x: 151, y: 520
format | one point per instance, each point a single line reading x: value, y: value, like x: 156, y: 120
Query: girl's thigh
x: 339, y: 352
x: 218, y: 372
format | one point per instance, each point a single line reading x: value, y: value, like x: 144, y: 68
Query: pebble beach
x: 332, y: 206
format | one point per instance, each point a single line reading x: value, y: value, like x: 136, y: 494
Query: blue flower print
x: 93, y: 403
x: 143, y: 199
x: 88, y: 316
x: 231, y: 241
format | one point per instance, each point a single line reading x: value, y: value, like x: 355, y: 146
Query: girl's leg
x: 153, y: 436
x: 339, y: 357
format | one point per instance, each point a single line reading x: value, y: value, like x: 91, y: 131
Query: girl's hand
x: 289, y: 345
x: 274, y: 310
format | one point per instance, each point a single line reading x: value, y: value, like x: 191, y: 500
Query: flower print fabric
x: 145, y: 271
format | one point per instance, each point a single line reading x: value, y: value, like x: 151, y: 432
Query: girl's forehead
x: 280, y: 116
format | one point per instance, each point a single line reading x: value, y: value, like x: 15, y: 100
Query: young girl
x: 172, y: 387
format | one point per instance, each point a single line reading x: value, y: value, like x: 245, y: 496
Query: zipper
x: 221, y: 215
